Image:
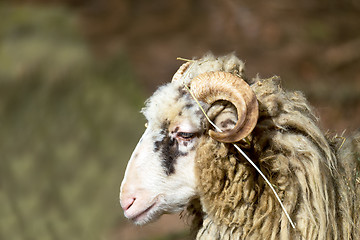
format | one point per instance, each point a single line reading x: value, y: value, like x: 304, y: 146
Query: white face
x: 160, y: 176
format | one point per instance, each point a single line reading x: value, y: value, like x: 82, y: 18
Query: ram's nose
x: 127, y: 197
x: 127, y: 202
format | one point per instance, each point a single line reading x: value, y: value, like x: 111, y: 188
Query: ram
x: 182, y: 163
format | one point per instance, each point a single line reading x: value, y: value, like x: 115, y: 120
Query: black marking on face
x: 182, y: 92
x: 157, y: 145
x: 175, y: 130
x: 169, y: 154
x: 189, y: 105
x: 163, y: 133
x: 168, y: 147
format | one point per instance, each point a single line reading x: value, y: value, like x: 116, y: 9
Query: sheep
x: 182, y: 163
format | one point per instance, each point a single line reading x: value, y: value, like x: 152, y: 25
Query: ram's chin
x: 149, y: 215
x: 154, y: 212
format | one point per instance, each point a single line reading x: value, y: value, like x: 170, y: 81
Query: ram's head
x: 160, y: 176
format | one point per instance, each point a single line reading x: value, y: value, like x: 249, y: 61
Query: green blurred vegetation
x: 68, y: 124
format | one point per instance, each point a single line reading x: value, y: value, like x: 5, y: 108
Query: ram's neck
x: 234, y: 197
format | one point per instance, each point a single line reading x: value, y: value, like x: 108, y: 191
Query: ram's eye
x: 186, y: 135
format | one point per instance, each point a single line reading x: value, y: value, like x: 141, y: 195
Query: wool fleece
x: 319, y: 190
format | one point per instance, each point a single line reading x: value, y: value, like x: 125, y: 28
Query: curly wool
x: 298, y: 160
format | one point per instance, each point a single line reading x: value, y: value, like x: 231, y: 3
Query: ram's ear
x: 223, y: 114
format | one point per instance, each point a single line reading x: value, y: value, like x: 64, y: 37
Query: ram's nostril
x: 127, y: 203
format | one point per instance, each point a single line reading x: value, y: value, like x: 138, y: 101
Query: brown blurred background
x: 74, y: 75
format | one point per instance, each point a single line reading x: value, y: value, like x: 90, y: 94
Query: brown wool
x: 315, y: 180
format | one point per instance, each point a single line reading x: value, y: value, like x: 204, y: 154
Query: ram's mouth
x: 143, y: 216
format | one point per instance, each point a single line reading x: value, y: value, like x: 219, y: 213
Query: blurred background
x: 74, y: 75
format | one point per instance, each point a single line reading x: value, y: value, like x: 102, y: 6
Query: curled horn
x: 213, y: 86
x: 180, y: 71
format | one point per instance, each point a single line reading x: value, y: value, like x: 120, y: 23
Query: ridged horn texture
x: 180, y: 72
x: 213, y: 86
